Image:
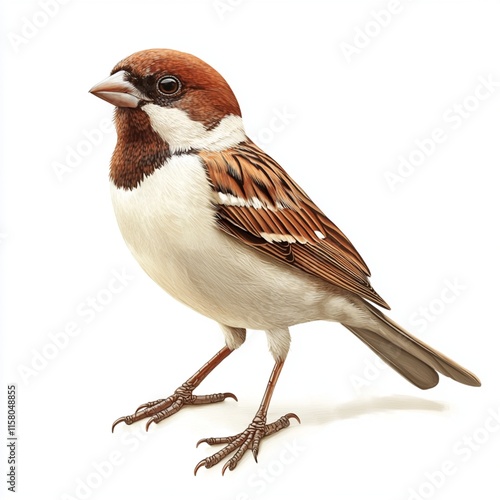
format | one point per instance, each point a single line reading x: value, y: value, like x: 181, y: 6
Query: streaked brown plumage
x: 246, y: 172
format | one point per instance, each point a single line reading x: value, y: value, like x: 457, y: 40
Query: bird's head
x: 169, y: 102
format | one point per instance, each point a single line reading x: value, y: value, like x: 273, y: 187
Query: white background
x: 365, y: 433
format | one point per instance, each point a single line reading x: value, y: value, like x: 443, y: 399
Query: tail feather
x: 412, y: 358
x: 411, y: 368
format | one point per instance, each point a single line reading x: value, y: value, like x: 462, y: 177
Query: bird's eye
x: 169, y: 85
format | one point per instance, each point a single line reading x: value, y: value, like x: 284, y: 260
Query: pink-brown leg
x: 162, y: 408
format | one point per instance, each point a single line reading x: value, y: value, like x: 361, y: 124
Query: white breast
x: 167, y: 221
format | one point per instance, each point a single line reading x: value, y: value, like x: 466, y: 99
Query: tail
x: 411, y: 358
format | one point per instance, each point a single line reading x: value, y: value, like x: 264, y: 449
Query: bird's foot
x: 249, y: 439
x: 162, y: 408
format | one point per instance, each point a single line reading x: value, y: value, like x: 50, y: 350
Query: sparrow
x: 221, y: 227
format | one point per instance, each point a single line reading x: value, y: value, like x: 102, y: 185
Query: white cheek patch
x: 182, y: 133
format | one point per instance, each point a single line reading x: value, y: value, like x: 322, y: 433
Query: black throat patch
x: 139, y: 149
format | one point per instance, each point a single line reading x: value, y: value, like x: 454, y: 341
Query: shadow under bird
x: 221, y: 227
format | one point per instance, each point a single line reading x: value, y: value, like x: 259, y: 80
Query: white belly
x: 169, y: 225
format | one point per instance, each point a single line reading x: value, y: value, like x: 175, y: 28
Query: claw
x: 230, y: 395
x: 149, y: 422
x: 226, y: 465
x: 145, y: 405
x: 200, y: 464
x: 116, y: 422
x: 204, y: 440
x: 292, y: 415
x: 255, y: 453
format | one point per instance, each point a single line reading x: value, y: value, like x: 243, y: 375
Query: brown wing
x: 259, y: 204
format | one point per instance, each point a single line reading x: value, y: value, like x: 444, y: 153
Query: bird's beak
x: 118, y: 91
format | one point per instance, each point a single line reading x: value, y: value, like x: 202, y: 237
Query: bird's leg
x: 163, y: 408
x: 250, y: 438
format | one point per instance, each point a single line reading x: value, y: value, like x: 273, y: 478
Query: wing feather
x: 260, y: 205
